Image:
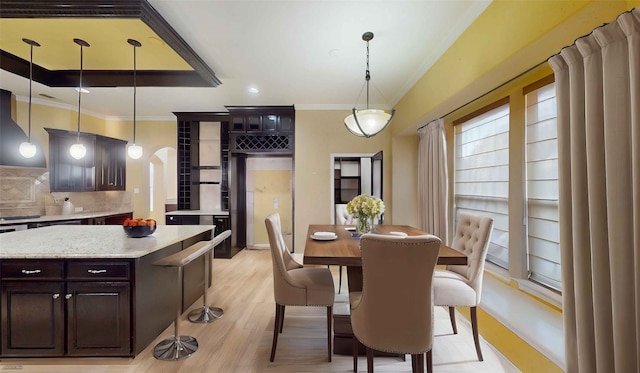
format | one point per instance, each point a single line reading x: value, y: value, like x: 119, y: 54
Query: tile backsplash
x: 24, y: 191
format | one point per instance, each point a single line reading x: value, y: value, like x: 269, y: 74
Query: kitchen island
x: 220, y: 219
x: 76, y: 290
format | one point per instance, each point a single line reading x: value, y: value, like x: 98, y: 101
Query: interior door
x: 376, y: 178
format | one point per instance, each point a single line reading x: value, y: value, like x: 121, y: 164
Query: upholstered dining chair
x: 295, y: 285
x: 461, y: 285
x: 394, y: 310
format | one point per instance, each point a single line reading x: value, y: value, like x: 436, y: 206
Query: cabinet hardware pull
x: 28, y: 272
x: 56, y: 296
x: 68, y: 296
x: 96, y: 271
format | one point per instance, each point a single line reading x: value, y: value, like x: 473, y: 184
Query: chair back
x: 472, y: 237
x: 395, y: 311
x: 343, y: 217
x: 283, y: 262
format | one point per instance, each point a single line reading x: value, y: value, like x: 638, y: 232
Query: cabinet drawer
x: 32, y: 270
x: 98, y: 271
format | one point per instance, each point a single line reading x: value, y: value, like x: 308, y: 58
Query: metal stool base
x: 175, y: 348
x: 205, y: 314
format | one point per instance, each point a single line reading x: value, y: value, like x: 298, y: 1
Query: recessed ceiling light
x: 84, y: 90
x: 254, y: 90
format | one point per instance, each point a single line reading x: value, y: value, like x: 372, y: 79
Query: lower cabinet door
x: 98, y: 319
x: 32, y: 318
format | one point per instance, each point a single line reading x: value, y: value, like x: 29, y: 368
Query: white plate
x: 323, y: 238
x: 324, y: 234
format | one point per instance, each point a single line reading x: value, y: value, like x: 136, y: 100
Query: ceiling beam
x: 202, y: 76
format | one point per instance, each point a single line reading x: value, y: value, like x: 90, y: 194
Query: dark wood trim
x: 267, y: 108
x: 538, y: 84
x: 204, y: 116
x: 202, y: 76
x: 482, y: 110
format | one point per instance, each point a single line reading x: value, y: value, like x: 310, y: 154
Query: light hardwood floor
x: 241, y: 340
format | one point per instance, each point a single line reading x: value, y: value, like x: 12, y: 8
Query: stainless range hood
x: 11, y: 136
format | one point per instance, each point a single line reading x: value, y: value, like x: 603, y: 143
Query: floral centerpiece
x: 365, y: 208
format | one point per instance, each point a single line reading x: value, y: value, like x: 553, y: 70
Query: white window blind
x: 542, y: 187
x: 482, y: 175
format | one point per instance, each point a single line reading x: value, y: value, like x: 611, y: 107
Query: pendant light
x: 77, y: 150
x: 367, y: 122
x: 28, y: 149
x: 134, y: 151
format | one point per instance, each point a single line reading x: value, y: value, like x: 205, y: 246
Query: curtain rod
x: 522, y: 73
x: 488, y: 92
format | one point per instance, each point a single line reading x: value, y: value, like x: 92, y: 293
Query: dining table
x: 344, y: 250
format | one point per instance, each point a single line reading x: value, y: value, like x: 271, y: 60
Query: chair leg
x: 417, y: 363
x: 276, y: 326
x: 281, y: 319
x: 474, y: 327
x: 369, y: 360
x: 430, y: 361
x: 340, y: 280
x: 452, y: 316
x: 329, y: 320
x: 354, y: 351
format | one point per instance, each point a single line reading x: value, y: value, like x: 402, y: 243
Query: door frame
x: 332, y: 158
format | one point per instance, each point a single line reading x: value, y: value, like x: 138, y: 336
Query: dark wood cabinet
x: 98, y: 319
x: 102, y: 168
x: 261, y: 120
x: 91, y: 300
x: 111, y: 164
x: 32, y: 318
x: 68, y: 174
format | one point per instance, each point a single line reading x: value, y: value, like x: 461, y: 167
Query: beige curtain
x: 598, y: 93
x: 432, y: 179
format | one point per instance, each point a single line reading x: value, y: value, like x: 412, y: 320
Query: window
x: 543, y: 231
x: 482, y: 175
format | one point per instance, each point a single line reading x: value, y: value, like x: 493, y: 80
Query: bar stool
x: 206, y: 314
x: 180, y: 347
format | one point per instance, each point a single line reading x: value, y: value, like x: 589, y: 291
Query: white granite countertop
x: 44, y: 218
x: 197, y: 212
x: 90, y: 241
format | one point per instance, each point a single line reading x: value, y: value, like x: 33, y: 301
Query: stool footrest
x: 205, y: 314
x: 176, y: 348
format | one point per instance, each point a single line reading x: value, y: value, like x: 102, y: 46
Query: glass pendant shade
x: 134, y: 151
x: 371, y: 121
x: 368, y: 122
x: 78, y: 151
x: 27, y: 149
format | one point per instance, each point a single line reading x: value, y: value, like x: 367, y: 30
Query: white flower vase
x: 67, y: 208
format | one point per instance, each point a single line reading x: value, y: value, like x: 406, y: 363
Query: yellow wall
x: 319, y: 133
x: 268, y: 185
x: 508, y: 38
